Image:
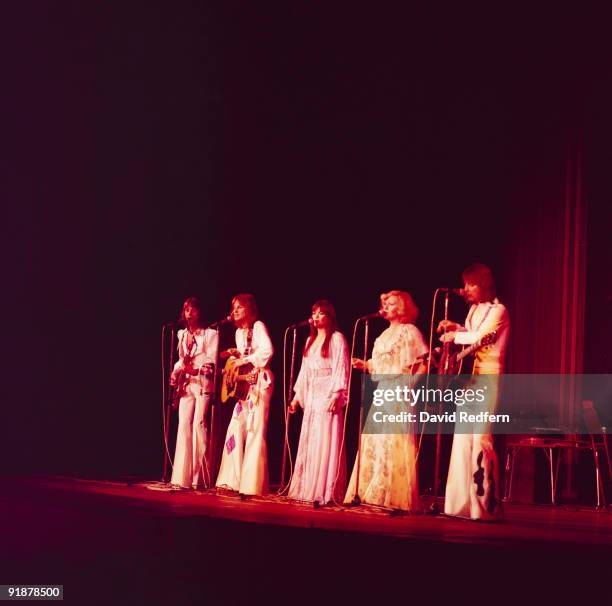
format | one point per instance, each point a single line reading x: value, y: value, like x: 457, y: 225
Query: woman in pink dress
x: 321, y: 390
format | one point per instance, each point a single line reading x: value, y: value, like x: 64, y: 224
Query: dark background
x: 293, y: 151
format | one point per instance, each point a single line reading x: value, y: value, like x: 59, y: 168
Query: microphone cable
x: 281, y: 490
x: 165, y: 395
x: 429, y: 360
x: 346, y: 409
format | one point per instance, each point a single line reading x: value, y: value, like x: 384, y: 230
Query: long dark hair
x: 328, y: 309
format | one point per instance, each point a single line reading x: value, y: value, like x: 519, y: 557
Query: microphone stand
x: 444, y: 371
x: 356, y: 498
x: 214, y: 402
x: 288, y: 397
x: 166, y: 406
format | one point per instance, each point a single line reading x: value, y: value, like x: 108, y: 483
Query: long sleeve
x: 204, y: 352
x: 497, y: 319
x: 211, y: 346
x: 298, y: 388
x: 414, y: 345
x: 340, y: 365
x: 485, y: 319
x: 262, y: 346
x: 180, y: 349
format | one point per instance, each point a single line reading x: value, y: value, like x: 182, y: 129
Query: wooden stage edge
x: 115, y: 541
x: 523, y: 525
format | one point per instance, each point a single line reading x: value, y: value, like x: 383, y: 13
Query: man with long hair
x: 472, y: 487
x: 197, y: 349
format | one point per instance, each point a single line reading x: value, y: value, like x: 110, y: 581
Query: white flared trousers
x: 472, y: 488
x: 190, y: 462
x: 244, y: 466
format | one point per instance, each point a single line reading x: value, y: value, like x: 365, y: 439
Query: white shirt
x: 202, y: 345
x: 483, y: 319
x: 261, y: 345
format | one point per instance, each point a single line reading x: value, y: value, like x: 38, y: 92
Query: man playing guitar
x: 472, y: 488
x: 192, y: 378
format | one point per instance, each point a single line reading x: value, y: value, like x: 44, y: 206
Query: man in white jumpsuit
x: 472, y: 487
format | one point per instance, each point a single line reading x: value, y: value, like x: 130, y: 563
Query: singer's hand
x: 359, y: 364
x: 448, y: 337
x: 446, y: 325
x: 207, y: 370
x: 293, y: 406
x: 173, y: 378
x: 228, y: 353
x: 334, y: 405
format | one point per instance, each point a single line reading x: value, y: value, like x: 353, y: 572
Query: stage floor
x: 127, y: 541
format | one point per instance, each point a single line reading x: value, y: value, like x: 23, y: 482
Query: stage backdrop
x: 159, y: 152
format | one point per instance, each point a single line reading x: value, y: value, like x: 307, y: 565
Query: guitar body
x: 449, y: 363
x: 182, y: 380
x: 237, y: 380
x: 453, y: 361
x: 176, y: 393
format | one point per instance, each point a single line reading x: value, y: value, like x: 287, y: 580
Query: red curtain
x: 546, y: 275
x: 546, y: 268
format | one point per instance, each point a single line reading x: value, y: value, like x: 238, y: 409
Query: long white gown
x: 388, y: 472
x: 320, y: 466
x: 244, y: 465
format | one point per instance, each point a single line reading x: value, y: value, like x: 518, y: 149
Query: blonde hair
x: 408, y: 311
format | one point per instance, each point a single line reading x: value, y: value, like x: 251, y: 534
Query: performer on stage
x: 388, y: 472
x: 321, y: 390
x: 197, y: 350
x: 472, y: 487
x: 244, y: 466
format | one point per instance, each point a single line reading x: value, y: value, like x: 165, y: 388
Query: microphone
x: 378, y: 314
x: 300, y: 324
x: 221, y: 322
x: 454, y: 291
x: 176, y: 324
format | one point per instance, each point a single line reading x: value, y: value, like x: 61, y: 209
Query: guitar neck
x: 488, y: 339
x: 467, y: 351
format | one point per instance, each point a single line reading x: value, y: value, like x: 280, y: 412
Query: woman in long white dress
x: 387, y: 467
x: 321, y: 390
x: 244, y: 465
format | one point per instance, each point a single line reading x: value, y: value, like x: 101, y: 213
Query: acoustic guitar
x: 237, y: 380
x: 450, y: 363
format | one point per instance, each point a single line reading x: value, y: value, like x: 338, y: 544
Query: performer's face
x: 390, y: 308
x: 239, y: 312
x: 319, y: 318
x: 192, y: 315
x: 473, y: 293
